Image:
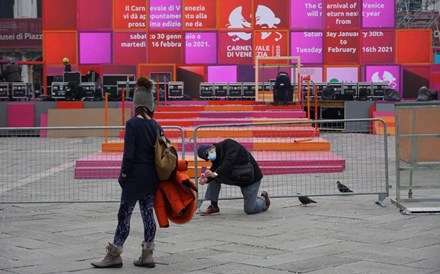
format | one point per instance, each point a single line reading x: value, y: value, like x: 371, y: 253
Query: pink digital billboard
x: 95, y: 48
x: 342, y: 74
x: 225, y: 74
x: 342, y: 14
x: 378, y: 14
x: 306, y: 14
x: 307, y: 45
x: 165, y: 14
x: 201, y: 48
x: 314, y: 72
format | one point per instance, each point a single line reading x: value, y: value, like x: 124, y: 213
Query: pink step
x: 107, y: 165
x: 113, y: 172
x: 255, y: 114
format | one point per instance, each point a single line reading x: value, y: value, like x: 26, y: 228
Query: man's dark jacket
x: 230, y: 153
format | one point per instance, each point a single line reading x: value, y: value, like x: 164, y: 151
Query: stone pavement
x: 349, y: 234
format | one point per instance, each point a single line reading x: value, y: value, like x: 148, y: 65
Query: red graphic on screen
x: 273, y: 45
x: 378, y: 46
x: 271, y: 14
x: 236, y: 14
x: 264, y: 18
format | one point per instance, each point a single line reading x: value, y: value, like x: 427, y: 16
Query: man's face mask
x: 212, y: 156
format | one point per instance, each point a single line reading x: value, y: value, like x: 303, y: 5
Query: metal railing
x: 63, y: 164
x: 78, y: 164
x: 358, y: 158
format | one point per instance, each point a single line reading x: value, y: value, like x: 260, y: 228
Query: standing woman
x: 138, y: 179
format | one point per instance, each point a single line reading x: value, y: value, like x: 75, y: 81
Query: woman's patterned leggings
x: 124, y: 215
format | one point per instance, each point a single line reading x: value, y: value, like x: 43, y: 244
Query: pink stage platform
x: 279, y: 149
x: 106, y: 165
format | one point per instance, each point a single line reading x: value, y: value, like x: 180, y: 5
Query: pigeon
x: 343, y: 188
x: 305, y: 200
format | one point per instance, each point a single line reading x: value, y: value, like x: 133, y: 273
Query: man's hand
x: 210, y: 174
x: 203, y: 180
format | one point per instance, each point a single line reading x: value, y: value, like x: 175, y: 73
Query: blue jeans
x: 252, y: 202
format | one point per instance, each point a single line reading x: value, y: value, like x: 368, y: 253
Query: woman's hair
x: 143, y: 111
x: 144, y: 82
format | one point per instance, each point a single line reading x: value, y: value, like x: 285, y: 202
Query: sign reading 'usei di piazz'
x: 23, y: 33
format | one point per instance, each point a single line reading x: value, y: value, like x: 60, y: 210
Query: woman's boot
x: 112, y: 258
x: 146, y: 259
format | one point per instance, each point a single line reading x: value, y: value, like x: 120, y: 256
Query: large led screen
x: 165, y: 14
x: 378, y: 46
x: 233, y: 50
x: 118, y: 35
x: 413, y: 46
x: 306, y: 14
x: 58, y: 45
x: 271, y: 14
x: 130, y: 15
x: 271, y: 44
x: 307, y: 45
x: 342, y: 74
x: 341, y: 47
x: 95, y: 48
x: 384, y: 74
x: 225, y: 74
x: 130, y: 47
x: 58, y: 15
x: 165, y: 47
x: 235, y: 14
x: 315, y: 73
x: 90, y: 19
x: 199, y: 14
x: 378, y: 13
x: 342, y: 14
x: 201, y: 48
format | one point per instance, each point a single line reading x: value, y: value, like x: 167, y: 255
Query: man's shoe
x: 210, y: 210
x: 266, y: 196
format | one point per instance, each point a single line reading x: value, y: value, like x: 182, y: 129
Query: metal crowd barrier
x: 315, y: 166
x: 63, y: 164
x: 81, y: 164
